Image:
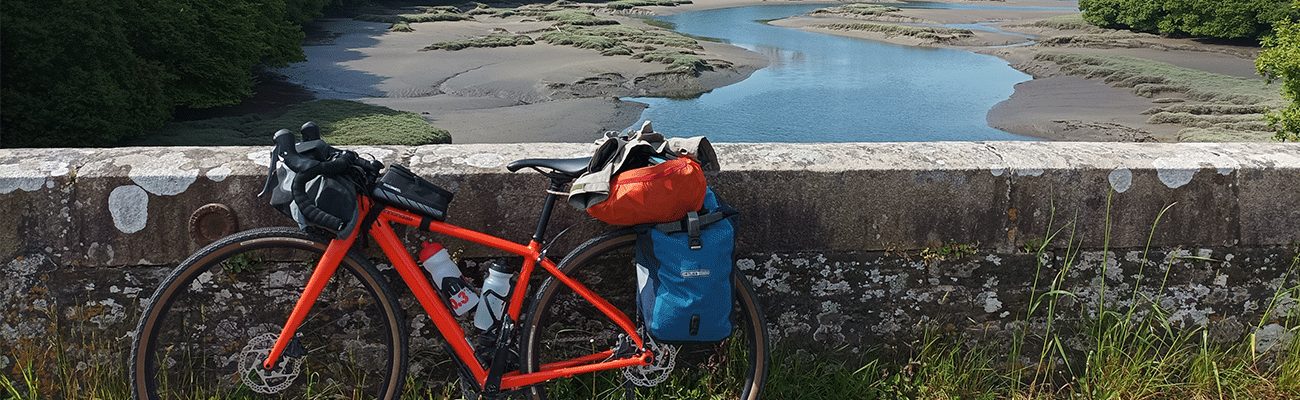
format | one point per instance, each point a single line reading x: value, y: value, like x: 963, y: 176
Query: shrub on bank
x: 1281, y: 60
x: 1226, y: 19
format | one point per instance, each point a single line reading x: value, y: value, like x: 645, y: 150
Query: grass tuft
x: 576, y: 18
x: 677, y: 60
x: 342, y: 123
x: 1220, y: 134
x: 1148, y: 78
x: 492, y: 40
x: 873, y: 12
x: 649, y: 45
x: 433, y: 16
x: 921, y: 32
x: 1068, y: 22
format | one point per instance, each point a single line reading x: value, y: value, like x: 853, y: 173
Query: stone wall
x: 849, y: 245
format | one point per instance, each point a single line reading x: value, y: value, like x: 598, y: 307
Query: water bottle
x: 447, y: 278
x: 495, y: 289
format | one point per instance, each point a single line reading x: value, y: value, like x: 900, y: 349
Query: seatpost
x: 552, y: 193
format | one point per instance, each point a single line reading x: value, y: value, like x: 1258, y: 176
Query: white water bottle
x: 447, y: 278
x: 495, y: 289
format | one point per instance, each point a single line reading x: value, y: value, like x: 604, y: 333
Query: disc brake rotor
x: 262, y: 380
x: 657, y: 372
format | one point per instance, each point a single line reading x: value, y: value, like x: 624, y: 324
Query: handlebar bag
x: 684, y: 275
x: 336, y: 196
x: 402, y: 188
x: 657, y: 193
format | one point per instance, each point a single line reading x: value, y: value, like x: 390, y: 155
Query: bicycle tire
x: 747, y: 316
x: 382, y: 308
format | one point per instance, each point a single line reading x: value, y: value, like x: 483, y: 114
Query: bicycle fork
x: 320, y: 276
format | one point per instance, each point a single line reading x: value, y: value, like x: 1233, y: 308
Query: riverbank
x: 524, y: 74
x: 556, y: 72
x: 1091, y: 84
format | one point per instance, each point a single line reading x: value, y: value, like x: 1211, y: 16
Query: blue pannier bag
x: 684, y: 275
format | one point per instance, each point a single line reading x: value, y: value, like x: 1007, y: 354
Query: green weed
x: 342, y: 123
x: 948, y: 251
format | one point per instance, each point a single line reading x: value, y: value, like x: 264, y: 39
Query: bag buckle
x: 693, y: 230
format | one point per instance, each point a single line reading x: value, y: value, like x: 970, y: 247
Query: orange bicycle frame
x: 382, y: 232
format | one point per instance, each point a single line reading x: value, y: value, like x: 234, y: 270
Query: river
x: 826, y: 88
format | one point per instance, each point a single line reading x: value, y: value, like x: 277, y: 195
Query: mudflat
x: 523, y: 93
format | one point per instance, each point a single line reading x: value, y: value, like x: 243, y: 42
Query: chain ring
x: 651, y: 375
x: 260, y: 379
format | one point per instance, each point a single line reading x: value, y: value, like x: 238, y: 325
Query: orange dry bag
x: 654, y: 194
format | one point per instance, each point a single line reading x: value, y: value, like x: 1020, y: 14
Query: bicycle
x: 234, y: 320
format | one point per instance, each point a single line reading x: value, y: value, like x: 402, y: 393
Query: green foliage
x: 342, y: 122
x: 1281, y: 60
x: 88, y: 73
x: 74, y: 84
x: 492, y: 40
x: 1225, y: 19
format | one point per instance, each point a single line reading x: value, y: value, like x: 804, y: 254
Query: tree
x: 69, y: 77
x: 1221, y: 19
x: 1281, y: 60
x: 95, y: 73
x: 211, y: 48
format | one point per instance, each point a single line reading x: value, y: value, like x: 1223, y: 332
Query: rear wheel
x: 215, y: 317
x: 562, y: 325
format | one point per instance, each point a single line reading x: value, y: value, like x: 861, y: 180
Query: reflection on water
x: 825, y: 88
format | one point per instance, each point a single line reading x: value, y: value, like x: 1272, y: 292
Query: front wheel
x: 214, y: 319
x: 562, y: 325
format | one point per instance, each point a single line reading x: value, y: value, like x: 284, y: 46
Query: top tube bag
x: 684, y: 275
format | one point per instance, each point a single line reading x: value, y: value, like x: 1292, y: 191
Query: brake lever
x: 281, y: 137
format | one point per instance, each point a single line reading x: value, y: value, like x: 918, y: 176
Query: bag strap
x: 694, y: 221
x: 693, y: 230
